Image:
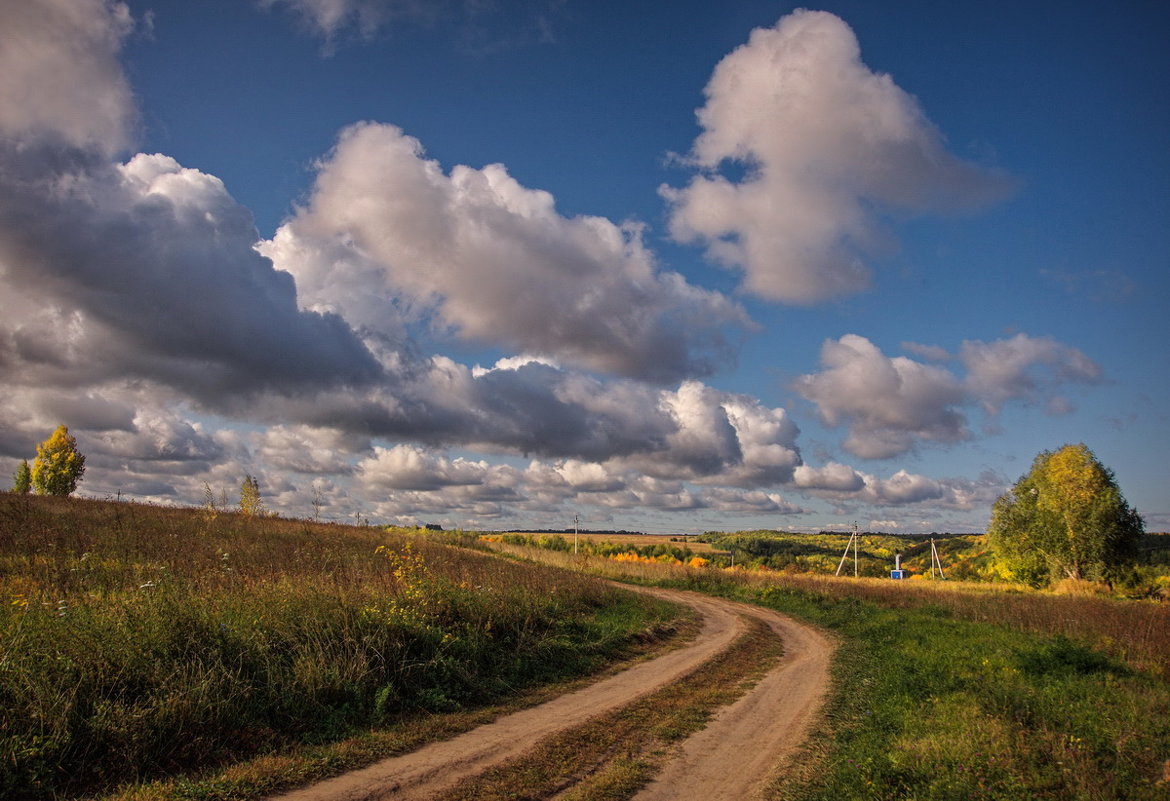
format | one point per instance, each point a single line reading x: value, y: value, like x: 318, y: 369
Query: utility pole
x: 852, y: 542
x: 576, y: 525
x: 935, y: 561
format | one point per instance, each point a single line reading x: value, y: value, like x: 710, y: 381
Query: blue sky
x: 665, y: 266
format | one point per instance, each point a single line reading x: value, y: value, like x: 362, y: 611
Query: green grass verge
x: 928, y: 707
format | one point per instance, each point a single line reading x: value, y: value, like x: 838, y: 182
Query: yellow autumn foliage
x: 59, y: 465
x: 1066, y: 519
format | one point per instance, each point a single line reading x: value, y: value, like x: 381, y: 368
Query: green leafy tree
x: 59, y: 465
x: 250, y: 502
x: 22, y: 481
x: 1066, y: 518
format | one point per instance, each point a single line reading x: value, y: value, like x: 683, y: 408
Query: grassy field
x: 963, y: 556
x: 663, y: 549
x: 952, y: 691
x: 139, y: 642
x: 1137, y: 633
x: 637, y: 541
x: 966, y: 557
x: 930, y: 706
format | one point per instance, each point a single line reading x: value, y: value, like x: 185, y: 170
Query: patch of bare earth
x: 733, y: 757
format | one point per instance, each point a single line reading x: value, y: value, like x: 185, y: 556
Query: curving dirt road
x: 735, y: 755
x: 746, y: 743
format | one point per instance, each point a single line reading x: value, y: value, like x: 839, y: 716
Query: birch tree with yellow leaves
x: 59, y: 465
x: 1066, y: 518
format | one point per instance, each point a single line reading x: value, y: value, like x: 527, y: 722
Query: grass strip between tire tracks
x: 613, y: 755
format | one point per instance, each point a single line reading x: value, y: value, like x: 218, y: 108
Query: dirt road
x: 764, y: 725
x: 747, y: 742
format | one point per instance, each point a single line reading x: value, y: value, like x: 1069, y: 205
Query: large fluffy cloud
x: 887, y: 403
x: 60, y: 78
x: 890, y: 404
x: 694, y: 432
x: 310, y: 451
x: 828, y: 146
x: 138, y: 307
x: 145, y: 274
x: 409, y: 467
x: 722, y: 438
x: 147, y: 270
x: 143, y: 270
x: 497, y: 262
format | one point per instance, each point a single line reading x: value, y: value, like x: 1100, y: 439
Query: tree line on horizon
x: 1065, y: 519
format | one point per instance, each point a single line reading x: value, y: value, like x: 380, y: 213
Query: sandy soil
x: 734, y: 756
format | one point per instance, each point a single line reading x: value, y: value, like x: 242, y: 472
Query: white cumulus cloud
x: 828, y: 146
x: 887, y: 403
x: 496, y: 261
x: 891, y: 404
x: 409, y: 467
x: 60, y: 77
x: 1024, y: 368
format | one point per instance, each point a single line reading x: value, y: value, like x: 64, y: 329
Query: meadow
x: 139, y: 642
x: 966, y: 557
x: 594, y: 542
x: 1136, y: 633
x: 953, y: 690
x: 158, y: 653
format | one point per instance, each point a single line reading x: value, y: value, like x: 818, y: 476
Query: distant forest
x: 565, y: 531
